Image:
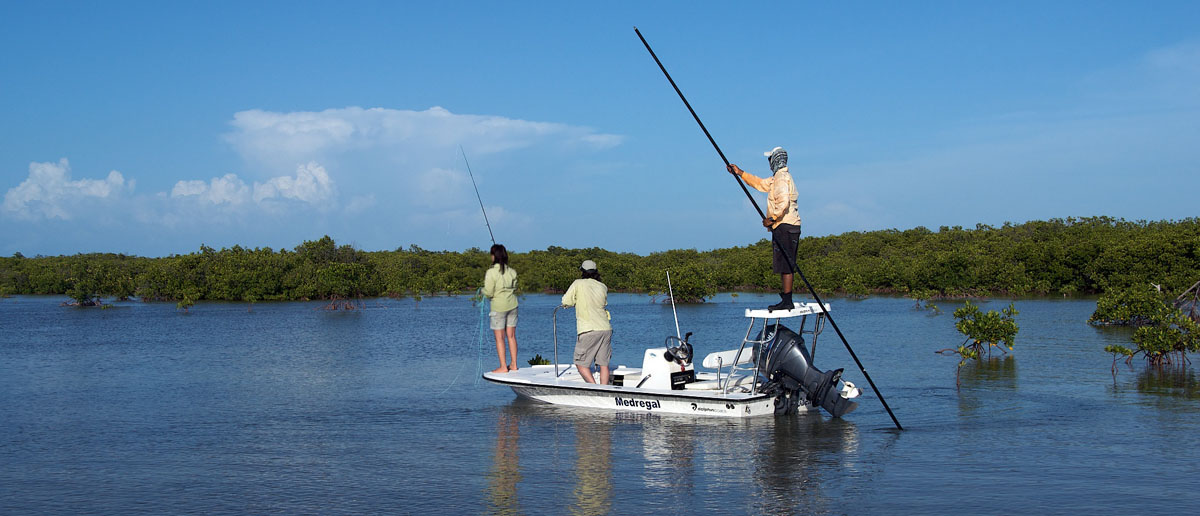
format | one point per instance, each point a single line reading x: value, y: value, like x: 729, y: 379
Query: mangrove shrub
x: 984, y: 331
x: 1164, y: 334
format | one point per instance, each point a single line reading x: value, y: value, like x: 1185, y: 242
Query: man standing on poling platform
x: 783, y: 218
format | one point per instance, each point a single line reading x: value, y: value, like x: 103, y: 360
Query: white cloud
x: 412, y: 157
x: 266, y: 134
x: 334, y: 166
x: 227, y: 189
x: 187, y: 188
x: 420, y: 138
x: 49, y: 192
x: 434, y: 186
x: 311, y: 184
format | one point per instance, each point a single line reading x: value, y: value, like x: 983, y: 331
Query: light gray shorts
x: 593, y: 346
x: 502, y: 320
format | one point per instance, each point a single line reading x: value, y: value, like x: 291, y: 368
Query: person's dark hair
x: 592, y: 274
x: 500, y: 256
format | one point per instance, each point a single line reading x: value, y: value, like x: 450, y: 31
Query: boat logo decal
x: 698, y: 408
x: 630, y: 402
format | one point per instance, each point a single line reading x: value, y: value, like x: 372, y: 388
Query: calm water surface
x: 286, y: 408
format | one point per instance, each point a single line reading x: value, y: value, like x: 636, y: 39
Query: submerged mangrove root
x: 340, y: 303
x: 1153, y: 360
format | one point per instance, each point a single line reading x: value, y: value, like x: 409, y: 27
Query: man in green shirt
x: 593, y: 342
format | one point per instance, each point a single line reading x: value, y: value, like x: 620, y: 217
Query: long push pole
x: 795, y: 267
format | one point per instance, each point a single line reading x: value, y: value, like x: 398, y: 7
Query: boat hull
x: 539, y: 383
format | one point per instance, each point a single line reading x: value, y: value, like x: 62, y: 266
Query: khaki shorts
x: 593, y: 346
x: 502, y: 320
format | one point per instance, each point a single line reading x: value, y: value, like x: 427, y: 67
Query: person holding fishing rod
x: 782, y: 220
x: 500, y: 286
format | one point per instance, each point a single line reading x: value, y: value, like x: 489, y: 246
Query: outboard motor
x: 788, y: 366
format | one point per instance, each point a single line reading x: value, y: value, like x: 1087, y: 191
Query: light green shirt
x: 501, y: 288
x: 590, y: 299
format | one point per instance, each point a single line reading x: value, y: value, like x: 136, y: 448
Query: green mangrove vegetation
x: 987, y: 330
x: 983, y: 331
x: 1164, y: 333
x: 1056, y: 257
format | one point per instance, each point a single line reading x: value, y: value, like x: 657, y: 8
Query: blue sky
x: 151, y: 128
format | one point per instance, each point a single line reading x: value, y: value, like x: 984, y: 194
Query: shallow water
x: 287, y: 408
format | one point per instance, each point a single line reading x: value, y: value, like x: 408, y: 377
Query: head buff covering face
x: 777, y: 157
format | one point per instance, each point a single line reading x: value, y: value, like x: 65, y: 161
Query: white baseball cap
x: 588, y: 265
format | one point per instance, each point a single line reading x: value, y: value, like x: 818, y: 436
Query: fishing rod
x: 485, y: 219
x: 673, y: 312
x: 792, y: 263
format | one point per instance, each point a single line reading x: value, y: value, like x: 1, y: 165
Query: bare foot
x: 499, y: 370
x: 512, y: 368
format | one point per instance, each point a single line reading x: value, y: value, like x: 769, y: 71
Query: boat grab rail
x: 757, y: 347
x: 554, y: 326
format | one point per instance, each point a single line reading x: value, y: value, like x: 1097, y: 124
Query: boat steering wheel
x: 682, y: 353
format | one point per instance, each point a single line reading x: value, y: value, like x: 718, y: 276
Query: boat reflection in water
x: 593, y: 468
x: 771, y: 465
x: 790, y: 467
x: 668, y: 455
x: 660, y: 462
x: 546, y: 452
x: 506, y: 472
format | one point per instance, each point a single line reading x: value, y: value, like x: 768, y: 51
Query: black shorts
x: 787, y: 238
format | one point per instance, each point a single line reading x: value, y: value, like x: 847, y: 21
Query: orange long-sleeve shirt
x: 781, y: 196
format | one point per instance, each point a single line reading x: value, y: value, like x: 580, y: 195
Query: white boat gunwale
x: 592, y: 387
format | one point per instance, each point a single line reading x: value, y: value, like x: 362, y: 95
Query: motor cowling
x: 787, y: 364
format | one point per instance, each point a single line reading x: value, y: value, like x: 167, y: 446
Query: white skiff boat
x: 770, y: 373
